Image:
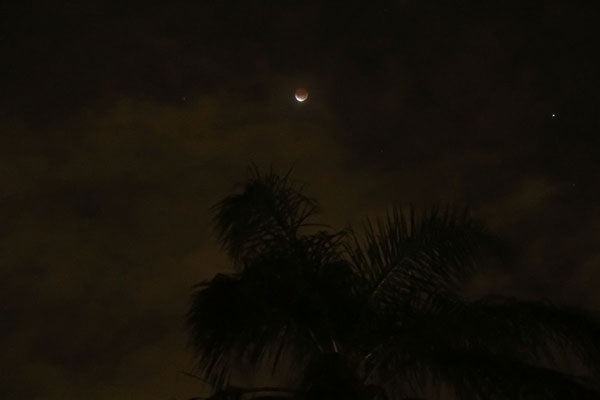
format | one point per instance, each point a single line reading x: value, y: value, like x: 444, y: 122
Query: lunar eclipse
x: 301, y: 95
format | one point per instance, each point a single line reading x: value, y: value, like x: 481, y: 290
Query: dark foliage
x: 376, y: 314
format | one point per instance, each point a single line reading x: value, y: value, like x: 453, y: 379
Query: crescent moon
x: 301, y: 94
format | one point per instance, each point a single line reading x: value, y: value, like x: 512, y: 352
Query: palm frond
x: 274, y: 306
x: 479, y: 375
x: 268, y: 213
x: 409, y: 252
x: 533, y: 331
x: 375, y: 315
x: 233, y: 320
x: 490, y: 346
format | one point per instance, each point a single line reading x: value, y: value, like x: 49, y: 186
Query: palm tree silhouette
x: 376, y: 314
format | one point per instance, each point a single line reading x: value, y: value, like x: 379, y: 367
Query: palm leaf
x: 381, y: 318
x: 233, y: 321
x: 407, y: 253
x: 275, y: 305
x: 486, y: 347
x: 267, y: 214
x: 534, y: 331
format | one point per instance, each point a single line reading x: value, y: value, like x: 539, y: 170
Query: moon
x: 301, y: 94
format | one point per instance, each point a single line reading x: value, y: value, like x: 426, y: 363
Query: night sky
x: 121, y: 124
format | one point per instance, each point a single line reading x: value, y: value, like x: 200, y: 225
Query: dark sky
x: 121, y: 124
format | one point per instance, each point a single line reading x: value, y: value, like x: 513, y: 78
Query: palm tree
x: 375, y: 314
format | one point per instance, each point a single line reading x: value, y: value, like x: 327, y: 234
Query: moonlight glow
x: 301, y: 94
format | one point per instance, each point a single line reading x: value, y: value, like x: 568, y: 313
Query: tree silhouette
x: 375, y: 314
